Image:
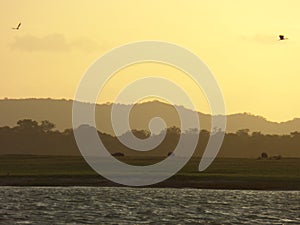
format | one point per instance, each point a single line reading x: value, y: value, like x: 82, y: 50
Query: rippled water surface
x: 94, y: 205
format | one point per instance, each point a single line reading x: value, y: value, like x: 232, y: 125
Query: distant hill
x: 60, y: 113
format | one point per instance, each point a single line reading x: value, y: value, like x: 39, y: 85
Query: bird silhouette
x: 282, y: 38
x: 17, y: 28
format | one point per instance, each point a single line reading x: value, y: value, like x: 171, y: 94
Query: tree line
x: 41, y: 138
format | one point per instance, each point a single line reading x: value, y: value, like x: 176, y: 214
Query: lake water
x: 97, y: 205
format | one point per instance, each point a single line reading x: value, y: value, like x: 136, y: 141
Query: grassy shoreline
x: 174, y: 182
x: 224, y: 173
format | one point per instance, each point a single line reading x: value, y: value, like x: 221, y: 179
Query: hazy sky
x: 59, y: 40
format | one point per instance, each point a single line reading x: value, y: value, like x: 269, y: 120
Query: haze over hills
x: 60, y: 113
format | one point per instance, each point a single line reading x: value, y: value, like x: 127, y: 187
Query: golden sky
x: 238, y: 40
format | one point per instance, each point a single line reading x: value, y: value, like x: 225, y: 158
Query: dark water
x: 86, y: 205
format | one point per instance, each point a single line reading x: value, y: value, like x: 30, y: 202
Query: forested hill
x: 60, y: 113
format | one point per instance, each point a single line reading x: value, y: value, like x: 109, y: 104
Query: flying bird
x: 282, y: 38
x: 17, y: 28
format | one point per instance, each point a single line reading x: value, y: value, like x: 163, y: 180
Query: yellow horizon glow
x: 59, y: 40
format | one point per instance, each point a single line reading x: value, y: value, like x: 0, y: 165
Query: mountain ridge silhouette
x: 59, y: 111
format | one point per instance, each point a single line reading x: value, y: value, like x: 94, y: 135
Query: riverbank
x: 224, y: 173
x: 174, y: 182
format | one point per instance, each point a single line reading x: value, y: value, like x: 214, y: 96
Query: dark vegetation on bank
x: 41, y: 138
x: 35, y: 154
